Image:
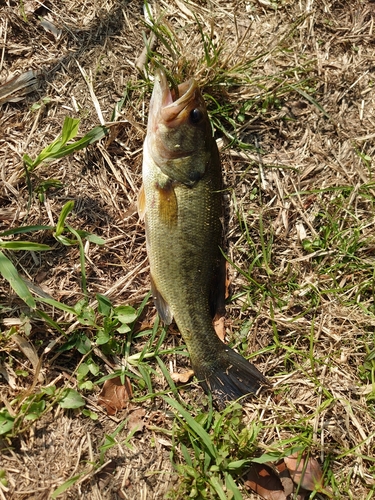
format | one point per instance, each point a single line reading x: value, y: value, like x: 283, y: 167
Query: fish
x: 181, y: 203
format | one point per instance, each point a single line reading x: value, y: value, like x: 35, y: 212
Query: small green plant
x: 25, y: 409
x: 3, y: 478
x: 44, y: 186
x: 60, y: 148
x: 210, y: 451
x: 56, y: 150
x: 367, y: 370
x: 10, y: 273
x: 110, y: 320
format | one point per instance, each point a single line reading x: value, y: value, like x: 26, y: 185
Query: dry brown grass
x: 312, y: 341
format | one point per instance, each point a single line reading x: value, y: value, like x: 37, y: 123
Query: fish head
x: 179, y: 133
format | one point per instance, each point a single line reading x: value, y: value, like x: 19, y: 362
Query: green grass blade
x: 167, y: 375
x: 26, y: 229
x: 29, y: 187
x: 94, y: 135
x: 68, y: 207
x: 186, y: 455
x: 24, y: 245
x: 198, y: 429
x: 10, y: 273
x: 218, y: 488
x: 58, y: 148
x: 50, y: 321
x: 311, y: 100
x: 65, y: 241
x: 70, y: 129
x: 145, y: 372
x: 59, y: 305
x: 81, y: 258
x: 63, y: 487
x: 232, y: 487
x: 93, y: 238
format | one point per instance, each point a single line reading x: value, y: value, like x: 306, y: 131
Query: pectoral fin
x: 168, y: 208
x: 141, y: 202
x: 161, y: 305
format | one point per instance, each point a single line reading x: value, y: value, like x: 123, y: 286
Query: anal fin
x: 161, y: 305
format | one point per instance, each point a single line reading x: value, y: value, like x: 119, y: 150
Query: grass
x: 299, y: 248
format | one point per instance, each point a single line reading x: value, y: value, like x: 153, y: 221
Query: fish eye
x: 196, y: 115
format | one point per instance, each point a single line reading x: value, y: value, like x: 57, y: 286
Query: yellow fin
x: 168, y: 208
x: 141, y: 203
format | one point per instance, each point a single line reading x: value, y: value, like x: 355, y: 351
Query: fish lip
x: 171, y: 109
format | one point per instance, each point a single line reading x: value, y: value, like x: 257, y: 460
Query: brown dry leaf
x: 136, y: 420
x: 285, y: 478
x: 27, y: 349
x: 22, y: 84
x: 263, y: 480
x: 30, y: 6
x: 305, y: 472
x: 105, y: 474
x: 114, y: 395
x: 11, y: 214
x: 182, y: 378
x: 8, y: 374
x: 184, y: 9
x: 219, y: 325
x: 51, y: 28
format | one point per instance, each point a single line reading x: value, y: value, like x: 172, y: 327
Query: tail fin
x: 229, y: 378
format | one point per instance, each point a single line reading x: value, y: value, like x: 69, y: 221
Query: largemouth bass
x: 181, y: 203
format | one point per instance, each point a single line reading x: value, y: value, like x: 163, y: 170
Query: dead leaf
x: 285, y: 478
x: 184, y: 9
x: 20, y: 84
x: 51, y: 28
x: 301, y: 231
x: 114, y: 395
x: 136, y: 420
x: 219, y: 325
x: 27, y: 349
x: 8, y: 375
x: 11, y: 214
x: 105, y: 474
x: 305, y: 471
x: 182, y: 378
x: 263, y: 480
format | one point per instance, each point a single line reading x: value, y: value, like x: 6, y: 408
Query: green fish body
x: 181, y: 203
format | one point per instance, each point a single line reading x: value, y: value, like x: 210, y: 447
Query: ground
x: 290, y: 92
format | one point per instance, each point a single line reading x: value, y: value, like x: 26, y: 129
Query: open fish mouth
x: 174, y: 106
